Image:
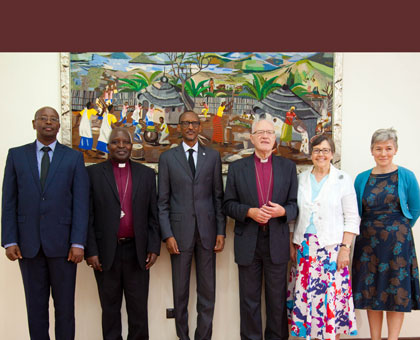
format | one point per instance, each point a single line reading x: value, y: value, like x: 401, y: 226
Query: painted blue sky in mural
x: 120, y: 61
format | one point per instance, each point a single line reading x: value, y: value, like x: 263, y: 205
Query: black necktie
x: 191, y: 161
x: 45, y: 164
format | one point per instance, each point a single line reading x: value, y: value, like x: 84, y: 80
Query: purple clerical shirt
x: 264, y: 179
x: 124, y: 184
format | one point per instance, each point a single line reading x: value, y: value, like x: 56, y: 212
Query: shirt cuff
x: 9, y: 245
x: 75, y: 245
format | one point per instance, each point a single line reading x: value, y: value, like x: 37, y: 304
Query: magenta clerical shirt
x: 124, y: 184
x: 264, y: 179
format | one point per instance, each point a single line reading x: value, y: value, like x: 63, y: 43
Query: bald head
x: 118, y: 130
x: 120, y: 145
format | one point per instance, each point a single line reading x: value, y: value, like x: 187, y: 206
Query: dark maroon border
x: 175, y: 25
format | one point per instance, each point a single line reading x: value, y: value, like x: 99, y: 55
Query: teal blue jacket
x: 408, y: 191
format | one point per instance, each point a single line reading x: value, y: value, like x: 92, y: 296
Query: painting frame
x: 336, y: 129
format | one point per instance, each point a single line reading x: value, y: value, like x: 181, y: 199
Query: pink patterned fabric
x: 320, y: 300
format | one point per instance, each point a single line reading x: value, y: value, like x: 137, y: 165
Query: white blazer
x: 334, y: 210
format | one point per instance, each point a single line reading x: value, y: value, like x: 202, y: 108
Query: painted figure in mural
x: 217, y: 122
x: 211, y: 85
x: 83, y: 121
x: 108, y: 122
x: 149, y: 115
x: 324, y: 122
x: 192, y: 222
x: 205, y: 110
x: 124, y: 236
x: 164, y: 131
x: 286, y: 130
x: 262, y: 205
x: 136, y: 123
x: 45, y: 211
x: 108, y: 93
x: 385, y: 266
x: 320, y: 294
x: 304, y: 146
x: 300, y: 127
x: 123, y: 113
x: 277, y: 123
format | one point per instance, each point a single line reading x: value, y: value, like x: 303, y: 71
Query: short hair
x: 254, y: 124
x: 44, y: 108
x: 88, y: 105
x: 117, y: 129
x: 185, y: 112
x: 318, y: 139
x: 383, y: 135
x: 110, y: 107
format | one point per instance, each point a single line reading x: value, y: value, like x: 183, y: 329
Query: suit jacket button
x: 43, y: 198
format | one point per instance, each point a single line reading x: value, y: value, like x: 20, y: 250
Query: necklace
x: 124, y: 193
x: 268, y: 188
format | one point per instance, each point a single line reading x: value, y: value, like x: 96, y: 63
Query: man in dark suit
x: 123, y: 239
x: 261, y: 195
x: 191, y: 221
x: 44, y: 223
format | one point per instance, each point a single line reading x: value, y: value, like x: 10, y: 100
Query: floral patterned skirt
x: 320, y: 301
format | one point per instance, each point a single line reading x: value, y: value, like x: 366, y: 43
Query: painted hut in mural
x: 166, y: 101
x: 278, y: 102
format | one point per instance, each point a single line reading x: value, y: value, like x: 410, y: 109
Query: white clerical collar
x: 262, y: 160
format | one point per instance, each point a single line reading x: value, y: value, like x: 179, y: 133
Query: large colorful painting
x: 146, y: 92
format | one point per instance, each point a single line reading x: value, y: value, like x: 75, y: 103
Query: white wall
x: 377, y: 88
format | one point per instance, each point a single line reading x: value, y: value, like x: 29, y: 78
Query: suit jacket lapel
x: 110, y: 178
x: 179, y: 155
x: 135, y: 179
x: 56, y: 160
x: 33, y: 163
x: 201, y: 160
x: 251, y: 180
x: 277, y: 175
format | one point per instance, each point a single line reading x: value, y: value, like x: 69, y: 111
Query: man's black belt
x: 124, y: 240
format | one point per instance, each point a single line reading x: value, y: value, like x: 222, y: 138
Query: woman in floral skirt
x: 320, y: 294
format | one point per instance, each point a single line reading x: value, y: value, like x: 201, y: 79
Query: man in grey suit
x: 261, y: 195
x: 190, y: 197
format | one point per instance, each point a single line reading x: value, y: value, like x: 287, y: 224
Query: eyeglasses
x: 186, y: 123
x: 262, y: 132
x: 322, y: 151
x: 46, y: 119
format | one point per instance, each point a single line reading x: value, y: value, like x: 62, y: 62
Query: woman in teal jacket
x: 385, y: 270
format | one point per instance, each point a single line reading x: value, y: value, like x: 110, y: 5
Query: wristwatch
x: 348, y: 246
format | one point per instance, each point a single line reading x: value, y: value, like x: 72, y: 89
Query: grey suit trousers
x: 205, y: 261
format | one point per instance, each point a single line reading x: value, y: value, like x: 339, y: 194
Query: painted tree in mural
x: 198, y: 90
x: 260, y: 87
x: 138, y: 82
x: 185, y: 65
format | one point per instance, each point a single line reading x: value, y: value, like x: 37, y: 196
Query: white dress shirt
x: 187, y: 154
